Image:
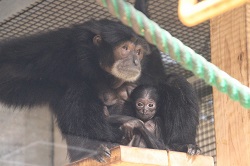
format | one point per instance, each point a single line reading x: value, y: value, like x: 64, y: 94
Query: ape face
x: 145, y: 108
x: 127, y: 64
x: 126, y: 58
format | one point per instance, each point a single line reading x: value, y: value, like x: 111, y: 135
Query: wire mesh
x: 45, y: 15
x: 206, y: 133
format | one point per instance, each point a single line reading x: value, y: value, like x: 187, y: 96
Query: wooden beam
x: 131, y: 156
x: 230, y: 51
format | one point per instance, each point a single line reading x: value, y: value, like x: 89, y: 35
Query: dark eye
x: 125, y: 47
x: 150, y: 105
x: 139, y: 104
x: 138, y: 52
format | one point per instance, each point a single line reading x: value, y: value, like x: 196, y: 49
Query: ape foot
x: 102, y: 152
x: 193, y: 149
x: 190, y: 149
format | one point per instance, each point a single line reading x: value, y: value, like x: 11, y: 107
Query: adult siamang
x: 75, y: 70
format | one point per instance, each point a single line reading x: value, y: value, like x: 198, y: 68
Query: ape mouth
x: 144, y: 116
x: 126, y: 74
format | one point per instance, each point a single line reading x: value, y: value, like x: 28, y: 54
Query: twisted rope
x: 178, y: 51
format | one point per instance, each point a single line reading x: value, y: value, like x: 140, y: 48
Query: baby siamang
x: 73, y: 69
x: 144, y: 129
x: 145, y: 106
x: 141, y: 119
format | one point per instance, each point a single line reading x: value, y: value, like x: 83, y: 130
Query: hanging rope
x: 178, y: 51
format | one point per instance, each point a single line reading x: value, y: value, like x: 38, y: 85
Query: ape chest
x: 110, y: 96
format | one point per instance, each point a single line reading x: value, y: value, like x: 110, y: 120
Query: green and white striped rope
x: 178, y: 51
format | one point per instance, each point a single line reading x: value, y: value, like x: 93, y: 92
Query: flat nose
x: 136, y: 62
x: 135, y: 59
x: 145, y: 110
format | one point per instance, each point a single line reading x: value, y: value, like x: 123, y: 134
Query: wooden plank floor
x: 132, y: 156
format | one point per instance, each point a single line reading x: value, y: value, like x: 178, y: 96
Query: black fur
x: 178, y: 101
x: 60, y: 68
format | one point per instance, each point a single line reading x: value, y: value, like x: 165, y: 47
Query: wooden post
x: 230, y: 51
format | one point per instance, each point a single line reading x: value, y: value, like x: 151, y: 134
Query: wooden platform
x: 131, y: 156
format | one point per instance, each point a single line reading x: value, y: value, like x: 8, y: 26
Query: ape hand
x: 102, y: 152
x: 193, y: 149
x: 129, y: 126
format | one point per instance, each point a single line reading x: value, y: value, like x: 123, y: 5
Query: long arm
x: 33, y: 69
x: 142, y: 5
x: 136, y: 124
x: 80, y: 116
x: 179, y: 108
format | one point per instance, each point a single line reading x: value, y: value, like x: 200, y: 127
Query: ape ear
x: 97, y: 40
